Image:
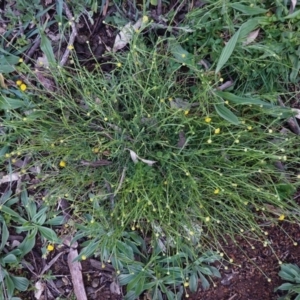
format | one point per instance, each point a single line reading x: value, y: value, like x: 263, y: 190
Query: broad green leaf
x: 9, y: 259
x: 293, y: 15
x: 227, y: 51
x: 3, y: 151
x: 7, y: 103
x: 124, y: 279
x: 59, y: 220
x: 21, y: 283
x: 215, y: 271
x: 4, y: 236
x: 90, y: 249
x: 226, y: 114
x: 46, y: 47
x: 204, y: 282
x: 251, y: 25
x: 10, y: 286
x: 285, y: 287
x: 296, y: 67
x: 241, y: 100
x: 5, y: 69
x: 5, y: 196
x: 181, y: 54
x: 248, y: 10
x: 41, y: 213
x: 48, y: 234
x: 205, y: 271
x: 125, y: 250
x: 193, y: 283
x: 28, y: 243
x: 153, y: 2
x: 59, y: 9
x: 12, y: 213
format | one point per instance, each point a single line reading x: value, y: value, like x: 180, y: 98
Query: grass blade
x: 227, y: 51
x: 226, y: 114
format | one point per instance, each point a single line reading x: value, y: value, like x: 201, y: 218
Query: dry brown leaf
x: 293, y: 5
x: 10, y: 177
x: 39, y: 289
x: 251, y: 37
x: 2, y: 82
x: 126, y: 34
x: 135, y: 158
x: 47, y: 83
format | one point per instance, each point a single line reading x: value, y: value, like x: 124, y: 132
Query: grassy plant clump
x: 147, y: 147
x: 153, y: 150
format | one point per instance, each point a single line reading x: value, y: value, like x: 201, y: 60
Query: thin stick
x: 72, y: 36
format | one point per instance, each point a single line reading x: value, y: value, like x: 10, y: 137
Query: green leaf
x: 28, y: 243
x: 153, y: 2
x: 90, y: 249
x: 12, y: 213
x: 47, y: 49
x: 204, y: 282
x: 21, y: 283
x: 125, y: 250
x: 124, y: 279
x: 227, y: 51
x: 59, y: 220
x: 7, y: 103
x: 41, y: 216
x: 293, y: 15
x: 4, y: 236
x: 181, y: 54
x: 242, y: 100
x: 48, y: 234
x: 248, y: 10
x: 10, y: 286
x: 296, y: 67
x: 193, y: 283
x: 9, y: 259
x: 284, y: 287
x: 215, y: 271
x: 226, y: 114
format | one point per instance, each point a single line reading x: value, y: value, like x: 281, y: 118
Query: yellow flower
x: 21, y: 60
x: 281, y: 217
x: 145, y: 19
x: 119, y: 65
x: 23, y: 87
x: 249, y: 127
x: 209, y: 141
x: 186, y: 284
x: 216, y: 191
x: 221, y: 79
x: 62, y: 163
x: 19, y: 82
x: 217, y: 131
x: 50, y: 247
x: 70, y: 47
x: 83, y: 257
x: 207, y: 119
x: 186, y: 112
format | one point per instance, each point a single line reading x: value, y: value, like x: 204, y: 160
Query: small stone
x: 95, y: 282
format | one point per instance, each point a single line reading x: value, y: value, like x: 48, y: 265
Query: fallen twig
x: 225, y: 85
x: 72, y: 36
x: 291, y: 121
x: 76, y: 275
